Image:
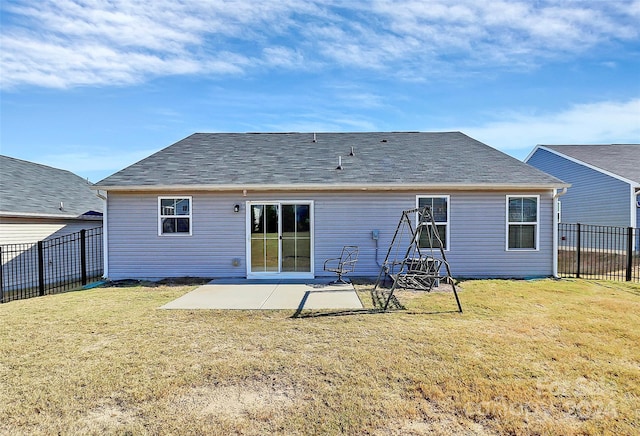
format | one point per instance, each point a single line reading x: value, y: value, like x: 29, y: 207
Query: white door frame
x: 280, y: 274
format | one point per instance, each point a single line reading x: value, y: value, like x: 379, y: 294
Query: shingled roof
x: 31, y: 189
x: 283, y: 161
x: 620, y: 159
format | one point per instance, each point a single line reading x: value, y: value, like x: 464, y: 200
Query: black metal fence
x: 599, y: 252
x: 50, y: 266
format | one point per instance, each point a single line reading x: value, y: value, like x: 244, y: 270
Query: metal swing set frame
x: 420, y: 268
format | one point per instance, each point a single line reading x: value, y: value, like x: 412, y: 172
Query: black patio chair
x: 344, y: 264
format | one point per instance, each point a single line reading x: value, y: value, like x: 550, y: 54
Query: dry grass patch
x: 544, y: 357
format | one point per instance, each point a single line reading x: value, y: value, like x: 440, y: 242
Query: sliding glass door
x: 280, y: 241
x: 265, y: 238
x: 296, y: 238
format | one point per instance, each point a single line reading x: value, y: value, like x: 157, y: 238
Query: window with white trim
x: 439, y: 205
x: 522, y: 222
x: 174, y: 215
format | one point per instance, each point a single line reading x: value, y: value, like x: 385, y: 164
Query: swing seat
x: 424, y: 265
x: 344, y: 264
x: 422, y: 274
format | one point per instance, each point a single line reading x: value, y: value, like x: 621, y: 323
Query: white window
x: 174, y: 215
x: 522, y: 222
x: 439, y: 205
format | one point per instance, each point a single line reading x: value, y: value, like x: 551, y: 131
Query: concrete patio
x: 259, y: 294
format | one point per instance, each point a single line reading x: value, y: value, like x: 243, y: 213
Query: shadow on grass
x: 378, y: 299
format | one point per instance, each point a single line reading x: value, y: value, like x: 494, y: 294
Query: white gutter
x: 10, y: 214
x: 105, y: 233
x: 555, y: 230
x: 327, y: 187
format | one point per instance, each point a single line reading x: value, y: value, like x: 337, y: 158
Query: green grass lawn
x: 541, y: 357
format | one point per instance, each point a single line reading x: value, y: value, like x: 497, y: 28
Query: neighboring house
x: 276, y: 205
x: 605, y: 181
x: 38, y: 202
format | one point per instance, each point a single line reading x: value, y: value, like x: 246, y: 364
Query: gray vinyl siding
x: 478, y: 238
x: 349, y: 220
x: 477, y: 226
x: 593, y: 198
x: 135, y: 250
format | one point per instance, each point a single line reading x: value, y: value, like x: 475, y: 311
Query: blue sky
x: 92, y: 86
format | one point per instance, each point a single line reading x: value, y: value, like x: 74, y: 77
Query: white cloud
x: 593, y: 123
x: 506, y: 32
x: 283, y: 57
x: 65, y: 43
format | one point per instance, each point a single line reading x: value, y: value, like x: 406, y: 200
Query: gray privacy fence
x: 50, y: 266
x: 599, y: 252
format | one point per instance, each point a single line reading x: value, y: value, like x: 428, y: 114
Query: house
x: 276, y: 205
x: 605, y: 181
x: 38, y: 202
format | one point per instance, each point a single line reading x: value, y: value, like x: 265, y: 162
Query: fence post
x: 578, y: 243
x: 40, y: 268
x: 83, y: 256
x: 629, y: 252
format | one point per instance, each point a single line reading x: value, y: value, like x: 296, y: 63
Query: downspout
x: 634, y: 213
x: 557, y: 195
x: 635, y: 195
x: 105, y: 239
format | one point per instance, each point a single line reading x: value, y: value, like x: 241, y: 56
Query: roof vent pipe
x: 339, y: 167
x: 314, y: 138
x: 352, y: 153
